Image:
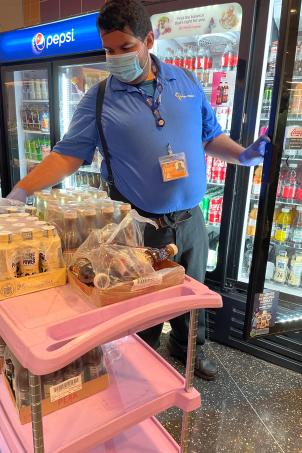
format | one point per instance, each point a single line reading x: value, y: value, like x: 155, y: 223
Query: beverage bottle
x: 50, y: 380
x: 2, y: 347
x: 9, y: 260
x: 295, y: 273
x: 125, y: 208
x: 32, y: 91
x: 252, y: 221
x: 187, y: 59
x: 205, y: 207
x: 44, y: 89
x: 295, y: 105
x: 93, y: 364
x: 296, y: 232
x: 298, y: 196
x: 74, y: 370
x: 156, y: 255
x: 38, y: 89
x: 44, y: 121
x: 194, y: 59
x: 227, y: 58
x: 274, y: 223
x: 289, y: 187
x: 83, y: 270
x: 281, y: 269
x: 50, y: 249
x: 219, y: 93
x: 201, y: 58
x: 71, y: 235
x: 22, y: 388
x: 225, y: 95
x: 27, y: 149
x: 283, y: 225
x: 107, y: 214
x: 257, y: 180
x: 89, y: 222
x: 29, y: 253
x: 271, y: 64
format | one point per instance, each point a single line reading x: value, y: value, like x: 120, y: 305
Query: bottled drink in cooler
x: 281, y: 269
x: 252, y: 221
x: 257, y: 180
x: 289, y: 186
x: 296, y: 231
x: 283, y: 226
x: 295, y: 273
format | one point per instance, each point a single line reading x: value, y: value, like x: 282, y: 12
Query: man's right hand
x: 18, y: 194
x: 48, y: 173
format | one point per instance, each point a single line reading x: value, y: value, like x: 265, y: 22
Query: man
x: 157, y: 124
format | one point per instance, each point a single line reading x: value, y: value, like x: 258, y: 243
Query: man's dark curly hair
x: 116, y: 15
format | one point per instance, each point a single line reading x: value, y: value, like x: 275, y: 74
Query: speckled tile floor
x: 252, y: 406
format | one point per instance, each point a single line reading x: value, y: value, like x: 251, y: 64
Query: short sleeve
x: 82, y: 136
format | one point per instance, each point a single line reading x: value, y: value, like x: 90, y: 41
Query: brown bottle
x: 156, y: 256
x: 93, y: 364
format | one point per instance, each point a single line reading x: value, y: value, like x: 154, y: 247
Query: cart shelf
x: 142, y: 384
x: 48, y: 330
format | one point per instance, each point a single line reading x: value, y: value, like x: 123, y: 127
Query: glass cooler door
x: 74, y: 81
x: 206, y: 40
x: 27, y: 118
x: 275, y: 288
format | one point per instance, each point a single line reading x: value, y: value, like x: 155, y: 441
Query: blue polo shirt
x: 135, y: 143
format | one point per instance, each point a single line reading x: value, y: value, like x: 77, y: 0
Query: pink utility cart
x: 49, y: 329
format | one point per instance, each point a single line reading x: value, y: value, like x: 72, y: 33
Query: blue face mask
x: 125, y: 67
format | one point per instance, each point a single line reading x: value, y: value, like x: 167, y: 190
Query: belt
x: 172, y: 219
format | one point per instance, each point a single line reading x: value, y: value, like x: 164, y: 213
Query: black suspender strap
x: 99, y: 109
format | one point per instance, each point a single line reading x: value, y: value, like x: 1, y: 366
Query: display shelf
x: 290, y: 245
x: 142, y: 384
x: 292, y: 159
x: 35, y: 101
x: 28, y: 131
x: 274, y: 286
x: 219, y: 184
x: 278, y: 201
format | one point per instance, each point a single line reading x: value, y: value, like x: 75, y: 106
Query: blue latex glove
x: 18, y: 194
x: 254, y: 154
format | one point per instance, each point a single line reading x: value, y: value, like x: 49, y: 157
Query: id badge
x: 173, y: 166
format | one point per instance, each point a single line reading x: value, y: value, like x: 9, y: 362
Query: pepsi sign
x: 70, y: 36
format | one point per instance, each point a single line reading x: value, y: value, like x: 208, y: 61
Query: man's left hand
x: 254, y: 154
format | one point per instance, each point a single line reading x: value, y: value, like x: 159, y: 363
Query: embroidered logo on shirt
x: 180, y: 96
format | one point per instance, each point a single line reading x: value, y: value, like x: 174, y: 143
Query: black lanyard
x: 154, y: 102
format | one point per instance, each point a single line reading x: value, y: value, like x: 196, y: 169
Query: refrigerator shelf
x: 278, y: 201
x: 289, y: 245
x: 292, y: 159
x: 219, y: 184
x: 35, y: 101
x: 142, y: 384
x: 28, y: 131
x: 274, y: 286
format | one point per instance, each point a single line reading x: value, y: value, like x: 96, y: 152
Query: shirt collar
x: 165, y: 74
